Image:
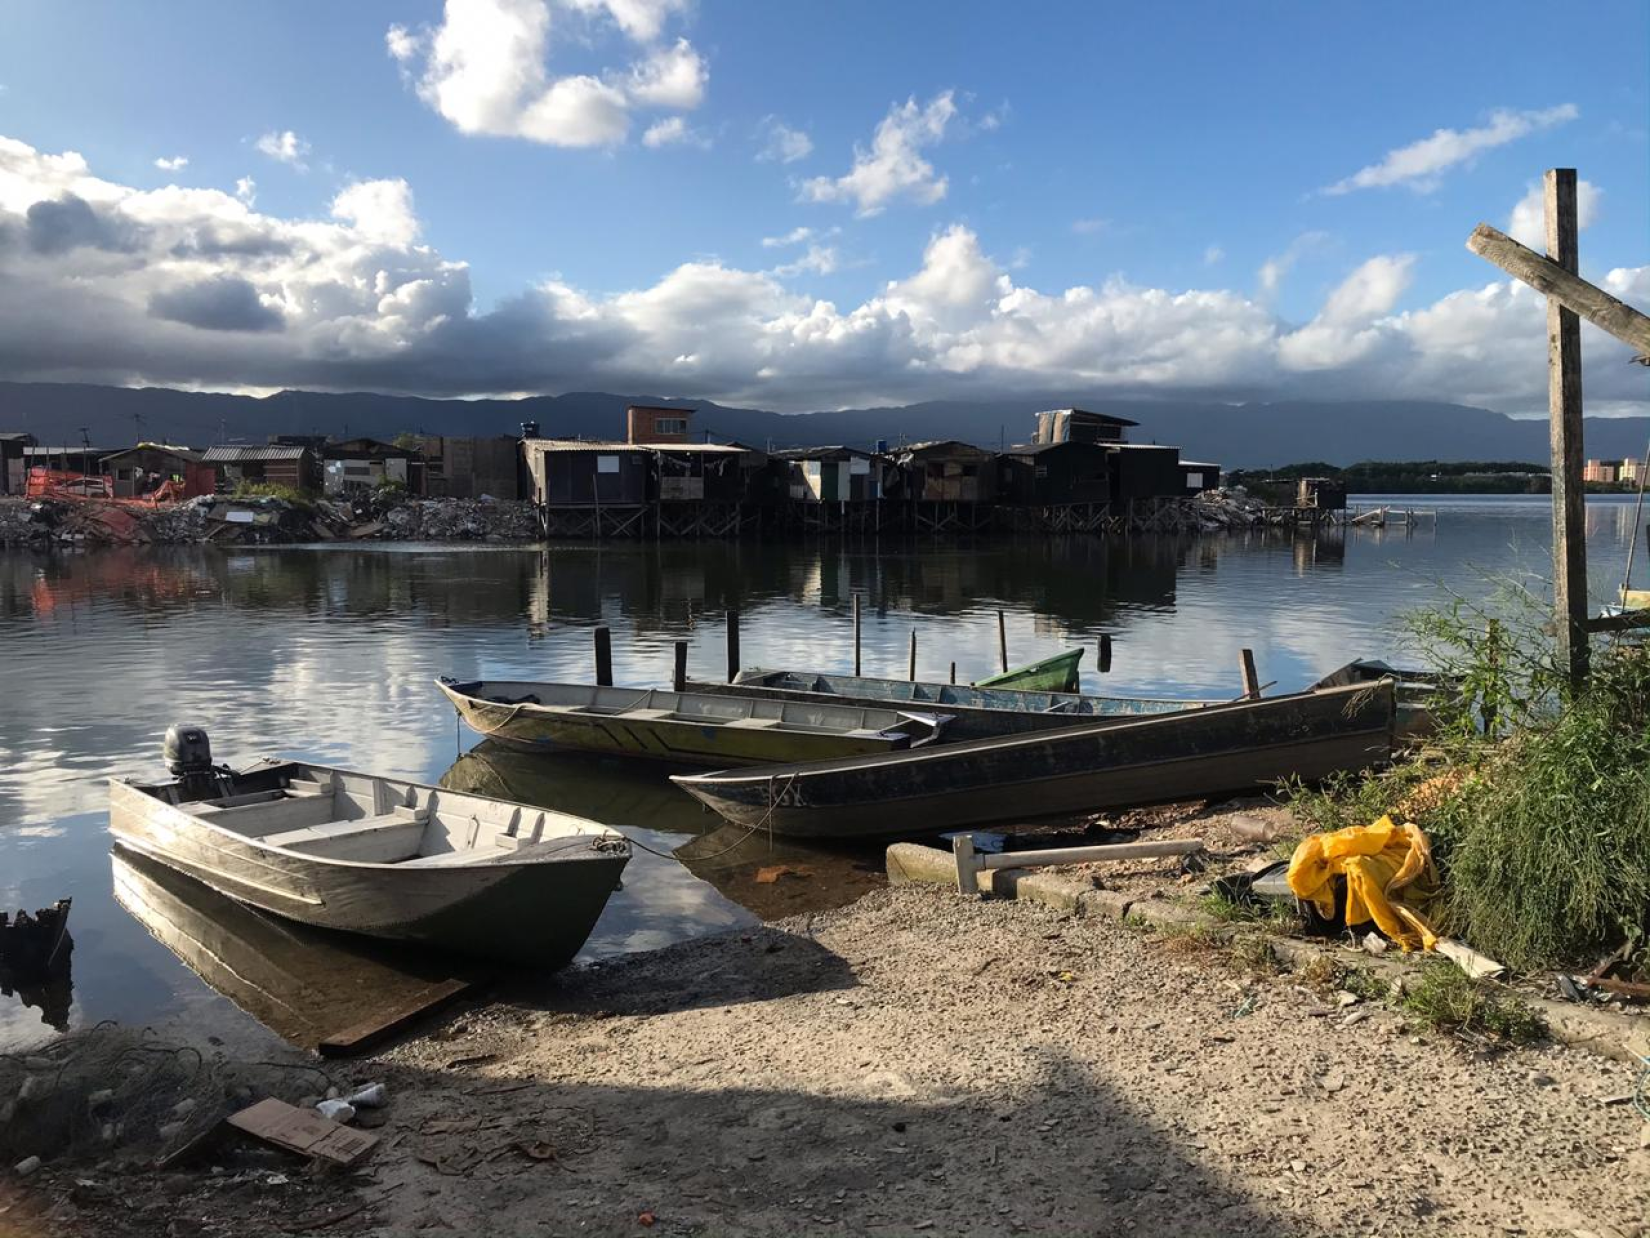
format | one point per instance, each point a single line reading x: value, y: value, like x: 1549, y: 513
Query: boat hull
x: 538, y: 913
x: 705, y: 743
x: 1064, y: 774
x: 973, y: 712
x: 1056, y: 674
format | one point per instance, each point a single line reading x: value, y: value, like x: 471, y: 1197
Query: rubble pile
x: 265, y: 520
x: 1233, y: 508
x: 454, y: 520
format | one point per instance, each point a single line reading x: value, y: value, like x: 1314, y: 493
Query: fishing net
x: 112, y: 1091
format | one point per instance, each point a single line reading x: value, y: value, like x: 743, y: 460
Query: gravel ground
x: 921, y: 1062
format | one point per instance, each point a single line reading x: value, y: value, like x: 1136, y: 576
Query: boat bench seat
x: 452, y: 859
x: 753, y: 724
x: 384, y: 839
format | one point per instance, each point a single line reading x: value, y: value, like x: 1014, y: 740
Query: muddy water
x: 328, y: 654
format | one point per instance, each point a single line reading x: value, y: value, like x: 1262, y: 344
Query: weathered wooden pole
x: 953, y: 672
x: 1105, y: 653
x: 1251, y: 681
x: 1002, y: 641
x: 678, y: 674
x: 913, y: 655
x: 733, y: 645
x: 857, y: 671
x: 1564, y: 414
x: 604, y: 658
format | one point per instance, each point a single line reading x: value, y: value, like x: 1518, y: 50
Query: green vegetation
x: 1401, y: 477
x: 273, y: 490
x: 1445, y: 998
x: 1538, y: 802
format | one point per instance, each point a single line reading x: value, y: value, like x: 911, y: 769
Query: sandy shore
x: 918, y: 1062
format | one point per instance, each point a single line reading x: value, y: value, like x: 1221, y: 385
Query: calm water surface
x: 328, y: 653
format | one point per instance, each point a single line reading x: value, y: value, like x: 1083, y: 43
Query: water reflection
x: 327, y: 654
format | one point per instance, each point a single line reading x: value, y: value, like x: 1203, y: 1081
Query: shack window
x: 858, y: 467
x: 1194, y: 481
x: 670, y: 425
x: 970, y: 470
x: 607, y: 464
x: 1042, y: 471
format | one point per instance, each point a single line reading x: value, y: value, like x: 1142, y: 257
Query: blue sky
x: 1169, y: 150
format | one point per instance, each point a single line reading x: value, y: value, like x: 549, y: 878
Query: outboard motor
x: 188, y: 755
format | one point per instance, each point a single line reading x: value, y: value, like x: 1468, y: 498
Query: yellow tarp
x: 1390, y: 878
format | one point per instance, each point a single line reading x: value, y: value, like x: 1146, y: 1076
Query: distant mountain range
x: 1234, y: 436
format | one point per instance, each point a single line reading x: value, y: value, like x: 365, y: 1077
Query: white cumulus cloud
x: 1528, y: 221
x: 674, y: 131
x: 284, y: 146
x: 1420, y: 165
x: 780, y: 143
x: 892, y: 167
x: 194, y: 287
x: 486, y: 69
x: 172, y: 163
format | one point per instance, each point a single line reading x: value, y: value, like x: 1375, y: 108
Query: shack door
x: 830, y: 488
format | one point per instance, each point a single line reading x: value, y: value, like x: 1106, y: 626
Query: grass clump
x: 273, y: 490
x: 1447, y: 999
x: 1536, y: 800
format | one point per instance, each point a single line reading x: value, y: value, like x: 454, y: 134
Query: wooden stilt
x: 1251, y: 681
x: 857, y: 671
x: 1105, y: 653
x: 733, y: 645
x: 678, y: 674
x: 604, y: 658
x: 1002, y: 641
x: 1564, y: 413
x: 913, y: 655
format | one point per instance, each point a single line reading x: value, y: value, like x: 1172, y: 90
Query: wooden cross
x: 1569, y: 299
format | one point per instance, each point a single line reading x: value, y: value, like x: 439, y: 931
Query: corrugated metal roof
x: 577, y: 444
x: 249, y: 455
x: 819, y: 453
x: 699, y: 448
x: 1102, y: 418
x: 183, y: 453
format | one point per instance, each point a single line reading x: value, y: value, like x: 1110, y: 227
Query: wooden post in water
x: 1251, y: 681
x: 857, y: 671
x: 1564, y: 413
x: 733, y: 645
x: 1002, y: 641
x: 1105, y: 653
x: 953, y: 672
x: 604, y: 657
x: 913, y: 655
x: 678, y: 674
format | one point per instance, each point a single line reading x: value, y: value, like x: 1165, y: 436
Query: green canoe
x: 1056, y: 674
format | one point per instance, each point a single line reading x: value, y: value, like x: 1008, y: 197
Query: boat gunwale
x: 192, y: 821
x: 1190, y: 702
x: 713, y: 778
x: 935, y: 720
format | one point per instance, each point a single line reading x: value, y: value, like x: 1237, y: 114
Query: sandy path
x: 919, y: 1062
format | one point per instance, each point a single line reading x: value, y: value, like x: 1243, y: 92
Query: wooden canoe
x: 381, y: 856
x: 1419, y: 692
x: 1066, y: 773
x: 685, y: 728
x: 974, y: 712
x: 1056, y: 674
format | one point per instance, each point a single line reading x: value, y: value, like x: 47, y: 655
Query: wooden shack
x: 707, y: 472
x: 1077, y: 425
x: 1145, y: 471
x: 1200, y: 476
x: 14, y: 465
x: 585, y: 473
x: 947, y: 471
x: 273, y: 464
x: 447, y: 467
x: 1053, y: 474
x: 140, y: 471
x: 831, y: 474
x: 361, y: 464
